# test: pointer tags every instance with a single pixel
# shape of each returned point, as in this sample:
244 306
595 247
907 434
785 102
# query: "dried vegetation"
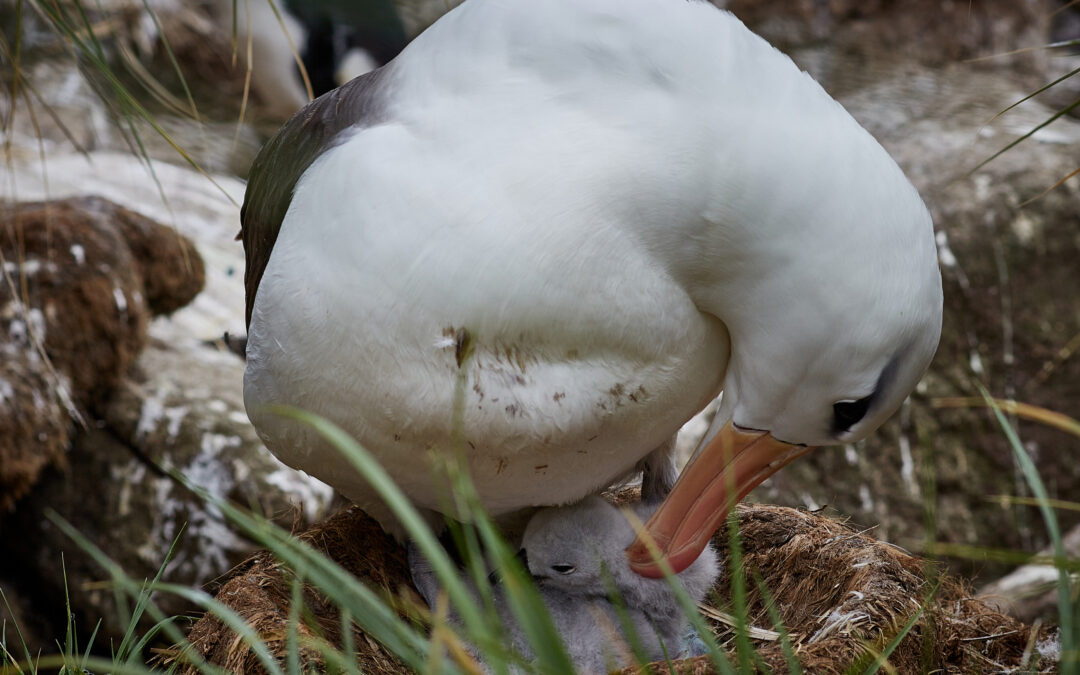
842 596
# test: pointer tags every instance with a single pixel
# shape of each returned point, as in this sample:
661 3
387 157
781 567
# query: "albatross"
601 214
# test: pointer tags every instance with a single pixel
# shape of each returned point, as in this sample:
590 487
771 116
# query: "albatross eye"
564 569
847 414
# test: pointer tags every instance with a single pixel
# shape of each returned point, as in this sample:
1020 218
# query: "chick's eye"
847 414
564 569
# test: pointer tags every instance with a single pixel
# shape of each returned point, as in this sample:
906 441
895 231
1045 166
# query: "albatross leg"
658 472
423 576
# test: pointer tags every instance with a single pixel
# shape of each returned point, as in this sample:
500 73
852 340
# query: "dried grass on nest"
260 591
842 596
837 591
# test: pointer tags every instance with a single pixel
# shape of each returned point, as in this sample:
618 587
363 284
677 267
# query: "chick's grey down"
576 555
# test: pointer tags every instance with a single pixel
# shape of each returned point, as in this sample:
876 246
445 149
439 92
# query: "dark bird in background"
336 40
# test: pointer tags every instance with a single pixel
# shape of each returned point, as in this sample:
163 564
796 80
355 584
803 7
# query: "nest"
841 595
260 590
81 279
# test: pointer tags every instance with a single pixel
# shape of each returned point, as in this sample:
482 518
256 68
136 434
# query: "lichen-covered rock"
74 306
34 425
183 410
1030 591
178 406
125 504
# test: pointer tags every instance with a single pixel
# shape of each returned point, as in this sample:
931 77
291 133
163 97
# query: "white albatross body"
617 208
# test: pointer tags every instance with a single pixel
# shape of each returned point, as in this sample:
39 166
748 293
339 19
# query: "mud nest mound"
80 280
260 590
842 596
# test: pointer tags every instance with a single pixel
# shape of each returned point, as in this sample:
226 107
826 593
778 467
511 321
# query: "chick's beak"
732 464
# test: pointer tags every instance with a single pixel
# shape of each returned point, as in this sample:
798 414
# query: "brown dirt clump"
80 280
841 595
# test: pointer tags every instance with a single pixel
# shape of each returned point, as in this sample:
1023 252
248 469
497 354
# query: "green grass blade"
127 649
626 624
227 615
373 614
1036 93
738 592
402 508
1066 610
90 642
1060 113
70 633
1003 555
154 630
18 632
521 594
348 644
716 655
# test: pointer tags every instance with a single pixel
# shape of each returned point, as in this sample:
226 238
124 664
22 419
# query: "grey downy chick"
577 554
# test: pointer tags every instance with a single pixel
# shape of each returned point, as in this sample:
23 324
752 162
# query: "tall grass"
424 639
376 616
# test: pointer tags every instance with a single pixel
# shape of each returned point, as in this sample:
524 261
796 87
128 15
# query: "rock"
178 405
22 625
35 433
1030 591
137 519
928 32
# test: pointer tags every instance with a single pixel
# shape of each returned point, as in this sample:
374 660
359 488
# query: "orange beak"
733 463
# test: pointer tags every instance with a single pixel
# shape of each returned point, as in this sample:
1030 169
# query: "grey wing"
281 162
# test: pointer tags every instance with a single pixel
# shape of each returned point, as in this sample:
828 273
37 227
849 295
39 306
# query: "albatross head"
834 313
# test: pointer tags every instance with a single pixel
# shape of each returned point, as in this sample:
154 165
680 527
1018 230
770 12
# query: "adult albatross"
606 212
